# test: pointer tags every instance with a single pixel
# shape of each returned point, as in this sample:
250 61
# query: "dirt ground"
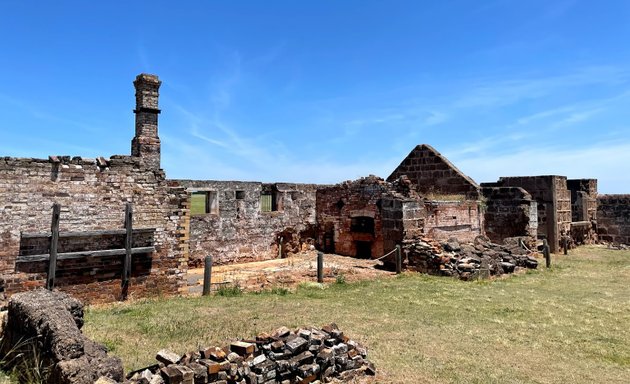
287 272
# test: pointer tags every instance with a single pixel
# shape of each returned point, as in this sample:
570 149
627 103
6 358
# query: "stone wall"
237 230
554 204
92 197
510 212
613 218
433 174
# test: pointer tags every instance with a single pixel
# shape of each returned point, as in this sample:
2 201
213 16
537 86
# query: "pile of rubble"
480 259
307 355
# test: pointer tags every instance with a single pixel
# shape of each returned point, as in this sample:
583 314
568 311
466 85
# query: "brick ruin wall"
462 220
92 197
510 212
554 204
583 199
583 210
238 231
396 217
433 174
360 200
613 218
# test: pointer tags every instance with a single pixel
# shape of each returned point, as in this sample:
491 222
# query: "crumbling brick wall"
434 174
397 213
92 194
92 198
554 204
583 210
583 199
351 216
462 220
509 212
239 231
613 218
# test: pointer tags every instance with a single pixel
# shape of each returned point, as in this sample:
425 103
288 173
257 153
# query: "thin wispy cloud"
501 92
603 160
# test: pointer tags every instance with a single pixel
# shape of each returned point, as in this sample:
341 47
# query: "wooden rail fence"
53 255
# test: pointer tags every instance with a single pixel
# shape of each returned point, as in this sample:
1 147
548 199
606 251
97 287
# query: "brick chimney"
146 143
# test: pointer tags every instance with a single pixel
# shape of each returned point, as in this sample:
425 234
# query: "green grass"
198 203
567 324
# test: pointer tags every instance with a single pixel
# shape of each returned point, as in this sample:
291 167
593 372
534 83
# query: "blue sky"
325 91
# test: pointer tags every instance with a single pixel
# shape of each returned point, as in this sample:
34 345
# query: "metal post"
54 241
398 260
546 253
126 272
320 267
207 275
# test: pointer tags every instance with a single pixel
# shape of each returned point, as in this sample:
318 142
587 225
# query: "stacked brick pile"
482 258
308 355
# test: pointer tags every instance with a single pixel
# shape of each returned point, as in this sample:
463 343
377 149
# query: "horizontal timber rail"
53 239
80 254
105 232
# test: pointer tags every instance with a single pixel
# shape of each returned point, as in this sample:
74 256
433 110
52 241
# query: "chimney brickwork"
146 143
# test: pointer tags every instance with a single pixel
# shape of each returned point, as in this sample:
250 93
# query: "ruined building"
92 194
176 223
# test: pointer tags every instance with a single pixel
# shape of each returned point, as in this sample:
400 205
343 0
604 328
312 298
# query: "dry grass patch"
567 324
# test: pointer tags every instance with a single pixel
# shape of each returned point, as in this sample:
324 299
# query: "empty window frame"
267 202
204 202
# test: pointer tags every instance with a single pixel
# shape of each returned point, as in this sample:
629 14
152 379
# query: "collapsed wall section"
237 221
613 218
92 195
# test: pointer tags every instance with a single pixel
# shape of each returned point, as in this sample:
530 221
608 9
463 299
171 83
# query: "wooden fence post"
546 253
207 275
398 259
320 267
280 248
126 272
565 244
54 241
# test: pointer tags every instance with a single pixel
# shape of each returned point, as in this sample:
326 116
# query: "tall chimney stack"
146 143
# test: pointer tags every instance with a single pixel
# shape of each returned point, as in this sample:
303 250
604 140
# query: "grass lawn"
569 324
